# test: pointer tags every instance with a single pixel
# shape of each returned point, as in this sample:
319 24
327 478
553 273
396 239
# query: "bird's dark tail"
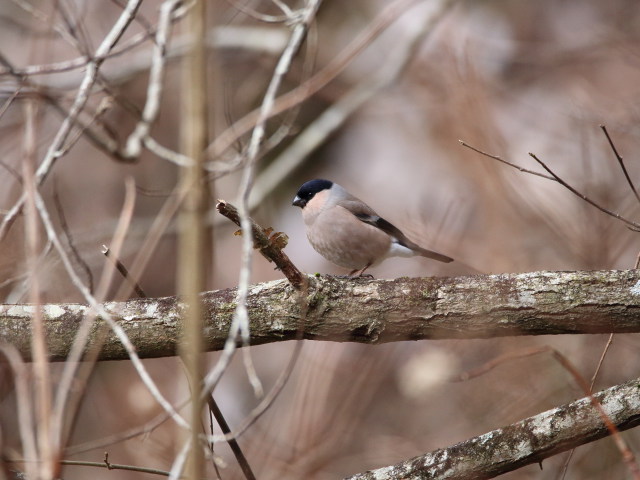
430 254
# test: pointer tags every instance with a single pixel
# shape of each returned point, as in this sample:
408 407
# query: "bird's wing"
399 237
387 227
366 214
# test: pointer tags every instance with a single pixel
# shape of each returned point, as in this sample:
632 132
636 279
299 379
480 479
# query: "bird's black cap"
309 189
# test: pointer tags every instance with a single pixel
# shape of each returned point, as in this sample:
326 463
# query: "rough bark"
522 443
363 310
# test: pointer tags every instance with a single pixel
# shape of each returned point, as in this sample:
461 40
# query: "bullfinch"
347 232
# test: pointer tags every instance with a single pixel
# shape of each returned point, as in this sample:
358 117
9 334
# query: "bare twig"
633 225
24 404
495 362
115 466
270 245
166 153
13 172
565 466
7 103
180 461
506 162
269 40
154 87
602 356
233 442
79 103
85 130
70 241
41 370
124 272
247 10
155 232
620 162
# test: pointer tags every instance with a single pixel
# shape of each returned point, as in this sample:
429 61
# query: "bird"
348 232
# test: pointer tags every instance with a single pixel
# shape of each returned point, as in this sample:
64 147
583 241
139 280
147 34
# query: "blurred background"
508 77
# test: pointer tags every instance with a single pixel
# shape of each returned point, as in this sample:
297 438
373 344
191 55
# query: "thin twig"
602 356
620 162
124 272
166 153
262 17
565 467
12 171
85 130
493 363
107 142
26 426
506 162
41 367
70 241
233 442
7 103
211 446
134 143
82 96
154 235
180 461
115 466
635 226
76 63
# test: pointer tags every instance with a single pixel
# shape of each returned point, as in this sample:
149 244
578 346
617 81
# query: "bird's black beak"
298 202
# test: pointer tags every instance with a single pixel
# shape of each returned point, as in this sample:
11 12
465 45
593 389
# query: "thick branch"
523 443
362 310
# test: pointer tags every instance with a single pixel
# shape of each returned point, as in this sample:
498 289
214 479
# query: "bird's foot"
368 276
